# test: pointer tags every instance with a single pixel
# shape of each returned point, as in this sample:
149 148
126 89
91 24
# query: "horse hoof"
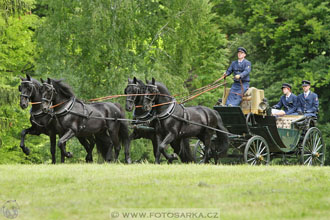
69 155
173 157
129 161
26 150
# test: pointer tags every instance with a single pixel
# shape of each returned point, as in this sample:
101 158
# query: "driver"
241 69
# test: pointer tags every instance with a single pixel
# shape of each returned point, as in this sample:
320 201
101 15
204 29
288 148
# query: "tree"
17 51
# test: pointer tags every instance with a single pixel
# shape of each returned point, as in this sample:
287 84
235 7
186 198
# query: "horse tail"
222 138
124 133
101 150
123 130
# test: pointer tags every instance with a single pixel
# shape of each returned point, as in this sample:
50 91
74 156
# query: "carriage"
257 137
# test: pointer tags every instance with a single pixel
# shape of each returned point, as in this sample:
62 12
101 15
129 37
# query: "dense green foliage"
95 45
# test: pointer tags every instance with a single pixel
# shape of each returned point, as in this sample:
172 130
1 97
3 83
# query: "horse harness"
38 114
186 117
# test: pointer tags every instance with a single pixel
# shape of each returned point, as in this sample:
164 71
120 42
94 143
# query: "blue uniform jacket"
243 69
309 105
290 105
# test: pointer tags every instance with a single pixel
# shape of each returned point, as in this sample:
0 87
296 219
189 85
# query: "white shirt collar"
288 95
306 93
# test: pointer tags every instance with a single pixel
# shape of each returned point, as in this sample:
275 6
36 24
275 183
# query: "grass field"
90 191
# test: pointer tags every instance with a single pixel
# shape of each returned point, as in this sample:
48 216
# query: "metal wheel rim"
256 151
312 152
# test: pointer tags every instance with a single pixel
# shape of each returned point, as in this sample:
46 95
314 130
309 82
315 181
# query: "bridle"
137 90
49 87
31 92
154 91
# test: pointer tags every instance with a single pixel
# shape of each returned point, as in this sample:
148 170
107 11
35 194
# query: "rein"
58 104
204 89
125 95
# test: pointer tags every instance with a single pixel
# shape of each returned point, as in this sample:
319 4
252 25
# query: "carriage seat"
248 94
287 121
250 101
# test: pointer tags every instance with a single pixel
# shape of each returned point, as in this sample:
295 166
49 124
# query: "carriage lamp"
264 107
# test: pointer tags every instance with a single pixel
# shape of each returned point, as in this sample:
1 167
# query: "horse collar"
144 117
66 109
37 113
169 111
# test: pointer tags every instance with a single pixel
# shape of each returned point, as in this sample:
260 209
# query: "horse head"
48 91
29 89
151 91
133 87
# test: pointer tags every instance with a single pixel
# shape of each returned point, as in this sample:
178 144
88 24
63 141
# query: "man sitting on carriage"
308 103
288 101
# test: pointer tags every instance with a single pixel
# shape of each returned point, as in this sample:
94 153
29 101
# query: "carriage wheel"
199 152
312 151
256 151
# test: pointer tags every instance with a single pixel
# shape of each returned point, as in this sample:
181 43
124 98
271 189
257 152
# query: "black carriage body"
279 140
259 138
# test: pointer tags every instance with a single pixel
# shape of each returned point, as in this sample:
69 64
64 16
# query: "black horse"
43 123
176 121
105 121
147 120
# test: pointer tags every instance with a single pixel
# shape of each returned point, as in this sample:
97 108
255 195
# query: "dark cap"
242 49
306 83
286 85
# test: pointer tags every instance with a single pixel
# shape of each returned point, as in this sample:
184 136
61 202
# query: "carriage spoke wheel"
199 152
312 151
256 151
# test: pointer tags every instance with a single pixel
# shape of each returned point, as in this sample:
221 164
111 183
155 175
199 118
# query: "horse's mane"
36 83
162 88
62 88
141 83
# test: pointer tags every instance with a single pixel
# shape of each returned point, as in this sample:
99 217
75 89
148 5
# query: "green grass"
90 191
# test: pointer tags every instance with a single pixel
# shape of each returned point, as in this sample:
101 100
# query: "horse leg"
163 147
155 149
31 130
214 152
62 142
52 138
62 154
87 146
91 141
207 142
177 147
